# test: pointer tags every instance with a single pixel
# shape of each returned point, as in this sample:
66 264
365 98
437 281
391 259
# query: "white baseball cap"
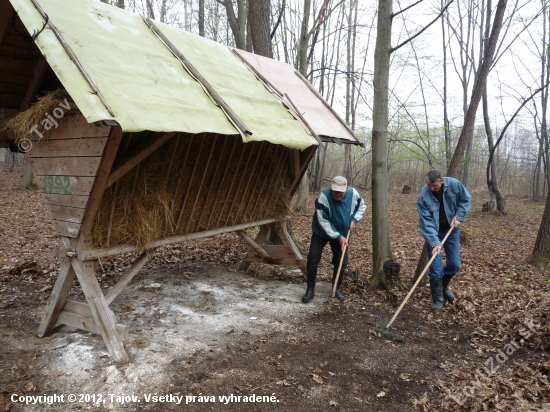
339 184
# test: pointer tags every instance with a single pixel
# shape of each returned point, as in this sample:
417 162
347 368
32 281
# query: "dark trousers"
314 257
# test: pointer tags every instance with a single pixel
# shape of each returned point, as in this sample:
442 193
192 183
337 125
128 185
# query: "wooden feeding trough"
120 175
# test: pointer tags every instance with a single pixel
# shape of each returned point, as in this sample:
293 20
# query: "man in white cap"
338 209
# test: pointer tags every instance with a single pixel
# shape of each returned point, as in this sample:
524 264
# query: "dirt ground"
207 337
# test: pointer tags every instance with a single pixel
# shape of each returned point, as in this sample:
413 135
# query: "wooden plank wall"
64 163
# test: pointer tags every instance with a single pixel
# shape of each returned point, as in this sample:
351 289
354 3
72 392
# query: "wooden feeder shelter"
144 136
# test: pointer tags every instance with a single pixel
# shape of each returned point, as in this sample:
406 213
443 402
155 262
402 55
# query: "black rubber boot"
338 294
310 292
437 295
447 294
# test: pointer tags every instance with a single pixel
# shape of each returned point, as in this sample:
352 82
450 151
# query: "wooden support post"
132 271
282 231
60 291
254 245
101 313
102 176
260 238
305 157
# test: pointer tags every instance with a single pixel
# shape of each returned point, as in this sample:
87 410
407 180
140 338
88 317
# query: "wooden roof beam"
129 161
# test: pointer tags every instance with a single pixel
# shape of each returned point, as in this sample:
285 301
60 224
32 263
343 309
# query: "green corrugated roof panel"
144 84
252 102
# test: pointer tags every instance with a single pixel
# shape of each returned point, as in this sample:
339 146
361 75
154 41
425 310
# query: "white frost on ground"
172 316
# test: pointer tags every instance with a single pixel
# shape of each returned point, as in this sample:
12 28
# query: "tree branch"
406 8
423 30
279 19
508 123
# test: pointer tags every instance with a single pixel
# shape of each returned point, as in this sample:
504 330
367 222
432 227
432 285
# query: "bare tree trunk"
493 186
541 251
201 18
479 87
381 246
304 39
259 13
448 146
237 23
163 11
150 10
303 189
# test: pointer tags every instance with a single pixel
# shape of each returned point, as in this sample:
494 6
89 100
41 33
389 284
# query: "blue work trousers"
452 252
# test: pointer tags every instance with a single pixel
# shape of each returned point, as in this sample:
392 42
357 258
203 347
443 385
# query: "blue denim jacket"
457 203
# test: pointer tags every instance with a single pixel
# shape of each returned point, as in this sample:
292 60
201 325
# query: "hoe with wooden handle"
386 331
340 266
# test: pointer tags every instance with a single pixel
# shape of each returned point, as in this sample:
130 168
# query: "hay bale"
18 127
164 197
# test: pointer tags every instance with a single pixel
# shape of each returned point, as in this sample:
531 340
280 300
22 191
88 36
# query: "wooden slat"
89 324
87 147
86 255
80 308
256 248
77 185
65 166
260 238
65 200
76 127
64 213
282 231
59 293
255 258
66 228
280 251
132 159
132 271
103 316
32 89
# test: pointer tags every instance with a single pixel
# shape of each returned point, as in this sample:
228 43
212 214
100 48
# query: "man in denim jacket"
337 209
443 202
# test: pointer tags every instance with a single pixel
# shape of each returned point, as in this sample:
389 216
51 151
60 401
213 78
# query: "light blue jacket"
457 203
332 217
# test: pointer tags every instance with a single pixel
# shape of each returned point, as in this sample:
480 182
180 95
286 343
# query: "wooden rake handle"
419 279
340 265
